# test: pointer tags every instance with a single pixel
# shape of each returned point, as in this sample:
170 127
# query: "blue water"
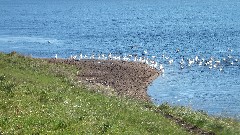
167 29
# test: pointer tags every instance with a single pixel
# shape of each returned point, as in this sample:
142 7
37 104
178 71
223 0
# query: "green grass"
38 97
41 98
218 125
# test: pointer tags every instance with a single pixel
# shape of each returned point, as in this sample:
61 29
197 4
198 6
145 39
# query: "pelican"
55 56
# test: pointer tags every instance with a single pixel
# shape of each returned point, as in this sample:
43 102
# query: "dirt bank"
126 78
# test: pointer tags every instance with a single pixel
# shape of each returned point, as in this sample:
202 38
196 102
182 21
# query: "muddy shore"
129 79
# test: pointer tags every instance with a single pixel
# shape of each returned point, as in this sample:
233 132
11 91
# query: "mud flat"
129 79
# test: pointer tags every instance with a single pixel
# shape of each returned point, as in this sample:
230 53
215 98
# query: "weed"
43 97
104 128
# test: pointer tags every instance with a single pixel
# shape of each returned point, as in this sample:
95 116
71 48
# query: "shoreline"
48 91
129 79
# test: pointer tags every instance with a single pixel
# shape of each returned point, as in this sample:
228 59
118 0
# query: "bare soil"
129 79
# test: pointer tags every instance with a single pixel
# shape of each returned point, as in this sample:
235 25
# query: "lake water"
177 30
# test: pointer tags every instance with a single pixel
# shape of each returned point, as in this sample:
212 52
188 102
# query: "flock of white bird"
154 63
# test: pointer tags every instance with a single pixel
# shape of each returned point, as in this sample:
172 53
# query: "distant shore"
129 79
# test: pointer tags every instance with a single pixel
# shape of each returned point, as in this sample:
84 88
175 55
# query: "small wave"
29 39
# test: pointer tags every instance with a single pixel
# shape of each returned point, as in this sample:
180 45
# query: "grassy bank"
38 97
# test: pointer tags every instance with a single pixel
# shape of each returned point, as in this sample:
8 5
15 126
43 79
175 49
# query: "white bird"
145 51
182 63
196 58
99 56
56 56
110 56
80 56
190 62
92 56
140 59
229 56
217 62
155 65
135 59
118 58
166 57
125 58
74 57
147 61
170 61
220 69
161 68
152 64
103 57
215 65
